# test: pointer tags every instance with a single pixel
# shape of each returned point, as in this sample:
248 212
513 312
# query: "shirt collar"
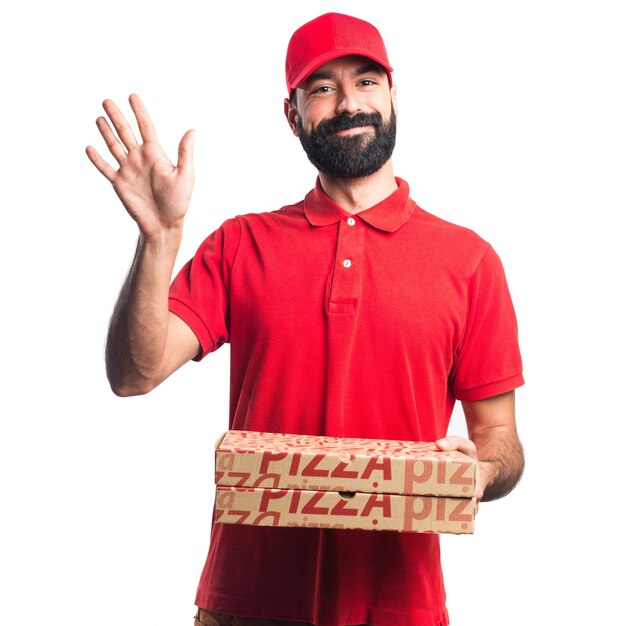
388 215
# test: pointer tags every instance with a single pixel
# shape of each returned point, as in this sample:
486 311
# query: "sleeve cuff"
194 321
491 389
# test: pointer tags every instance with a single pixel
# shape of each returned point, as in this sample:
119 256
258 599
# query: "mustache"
345 122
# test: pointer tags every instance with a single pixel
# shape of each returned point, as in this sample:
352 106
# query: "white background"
512 122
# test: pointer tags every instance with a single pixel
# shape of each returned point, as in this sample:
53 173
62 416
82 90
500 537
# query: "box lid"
288 461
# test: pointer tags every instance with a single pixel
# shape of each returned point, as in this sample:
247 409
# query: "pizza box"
285 461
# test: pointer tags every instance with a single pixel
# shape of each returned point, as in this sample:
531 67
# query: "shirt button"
347 263
351 221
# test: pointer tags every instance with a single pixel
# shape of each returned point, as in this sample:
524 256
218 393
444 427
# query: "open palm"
154 191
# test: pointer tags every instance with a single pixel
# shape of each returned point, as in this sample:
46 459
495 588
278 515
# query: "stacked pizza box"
272 479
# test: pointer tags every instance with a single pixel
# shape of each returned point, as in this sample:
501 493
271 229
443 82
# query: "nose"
348 102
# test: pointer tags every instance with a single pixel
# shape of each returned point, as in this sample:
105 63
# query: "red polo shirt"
358 326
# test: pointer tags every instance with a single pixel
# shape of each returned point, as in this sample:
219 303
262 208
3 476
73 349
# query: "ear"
394 99
291 113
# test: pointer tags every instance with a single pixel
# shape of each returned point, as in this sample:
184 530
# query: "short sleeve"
488 361
199 294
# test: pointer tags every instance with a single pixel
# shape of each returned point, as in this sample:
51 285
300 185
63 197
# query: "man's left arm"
493 442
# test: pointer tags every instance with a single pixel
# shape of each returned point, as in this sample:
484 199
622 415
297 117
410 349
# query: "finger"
452 442
101 165
144 123
123 129
185 151
111 140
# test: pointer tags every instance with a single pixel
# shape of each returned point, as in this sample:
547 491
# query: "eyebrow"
364 69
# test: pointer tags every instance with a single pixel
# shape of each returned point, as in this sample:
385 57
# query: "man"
352 313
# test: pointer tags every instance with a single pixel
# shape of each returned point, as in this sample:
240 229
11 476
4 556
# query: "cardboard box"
278 461
333 509
271 479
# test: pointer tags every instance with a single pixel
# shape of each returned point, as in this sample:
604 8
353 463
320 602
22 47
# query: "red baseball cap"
328 37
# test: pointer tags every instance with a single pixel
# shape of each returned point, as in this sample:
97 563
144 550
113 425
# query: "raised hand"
154 191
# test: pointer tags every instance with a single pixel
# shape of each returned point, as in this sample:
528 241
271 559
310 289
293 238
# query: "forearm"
501 459
138 330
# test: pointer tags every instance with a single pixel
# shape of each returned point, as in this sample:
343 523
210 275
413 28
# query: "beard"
352 156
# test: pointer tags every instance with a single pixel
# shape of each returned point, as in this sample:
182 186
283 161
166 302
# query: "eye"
321 89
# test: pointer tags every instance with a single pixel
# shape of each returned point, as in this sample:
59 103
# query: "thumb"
453 442
185 151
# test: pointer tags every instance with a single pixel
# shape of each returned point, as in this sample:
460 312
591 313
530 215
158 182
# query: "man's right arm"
146 342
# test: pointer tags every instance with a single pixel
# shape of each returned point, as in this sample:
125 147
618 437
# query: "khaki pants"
209 618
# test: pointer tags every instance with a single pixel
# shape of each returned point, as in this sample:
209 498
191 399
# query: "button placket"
345 277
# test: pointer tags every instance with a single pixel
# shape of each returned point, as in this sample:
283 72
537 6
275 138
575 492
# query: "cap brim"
312 65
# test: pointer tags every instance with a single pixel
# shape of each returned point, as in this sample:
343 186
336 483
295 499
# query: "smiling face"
344 116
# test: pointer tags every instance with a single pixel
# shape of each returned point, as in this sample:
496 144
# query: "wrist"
163 241
488 473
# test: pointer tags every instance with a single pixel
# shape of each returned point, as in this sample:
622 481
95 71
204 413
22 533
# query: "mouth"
352 131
